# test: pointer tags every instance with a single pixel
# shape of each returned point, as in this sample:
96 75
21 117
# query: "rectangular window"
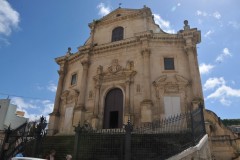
74 79
169 63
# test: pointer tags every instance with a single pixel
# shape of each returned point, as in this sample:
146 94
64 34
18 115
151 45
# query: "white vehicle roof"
26 158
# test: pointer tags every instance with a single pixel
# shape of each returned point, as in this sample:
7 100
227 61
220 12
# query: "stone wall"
199 152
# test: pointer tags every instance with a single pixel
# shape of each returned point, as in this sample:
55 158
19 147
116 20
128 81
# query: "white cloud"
52 87
234 24
205 68
225 102
225 91
48 107
175 7
208 33
33 108
217 15
9 18
103 10
214 82
21 104
225 53
164 24
201 13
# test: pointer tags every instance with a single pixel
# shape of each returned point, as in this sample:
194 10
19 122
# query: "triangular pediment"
120 13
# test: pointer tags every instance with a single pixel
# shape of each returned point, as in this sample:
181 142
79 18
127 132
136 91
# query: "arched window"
117 34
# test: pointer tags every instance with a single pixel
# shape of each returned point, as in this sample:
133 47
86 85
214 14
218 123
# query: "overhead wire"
26 97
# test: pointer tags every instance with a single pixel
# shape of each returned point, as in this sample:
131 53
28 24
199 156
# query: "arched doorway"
113 109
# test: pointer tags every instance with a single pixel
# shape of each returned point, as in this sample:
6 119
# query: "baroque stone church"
128 69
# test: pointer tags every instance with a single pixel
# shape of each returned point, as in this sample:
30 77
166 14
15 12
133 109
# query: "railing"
13 141
160 139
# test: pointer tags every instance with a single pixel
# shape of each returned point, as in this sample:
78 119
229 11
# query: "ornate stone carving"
170 84
115 67
70 96
115 73
100 70
171 88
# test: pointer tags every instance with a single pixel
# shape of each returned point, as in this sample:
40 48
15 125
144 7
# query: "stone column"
54 116
80 109
127 113
146 104
146 73
95 118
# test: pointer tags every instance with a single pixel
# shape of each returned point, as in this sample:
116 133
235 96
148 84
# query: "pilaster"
192 37
79 110
146 104
55 115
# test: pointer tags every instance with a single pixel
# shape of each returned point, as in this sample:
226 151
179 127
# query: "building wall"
8 115
134 64
4 103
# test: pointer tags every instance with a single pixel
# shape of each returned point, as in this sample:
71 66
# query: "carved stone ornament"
170 84
115 67
115 73
70 96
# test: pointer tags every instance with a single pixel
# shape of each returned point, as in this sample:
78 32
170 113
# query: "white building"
9 115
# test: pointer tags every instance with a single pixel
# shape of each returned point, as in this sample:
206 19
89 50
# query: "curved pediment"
175 79
171 84
69 96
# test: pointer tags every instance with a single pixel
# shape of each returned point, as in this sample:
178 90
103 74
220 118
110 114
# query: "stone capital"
61 73
85 64
55 113
146 52
190 49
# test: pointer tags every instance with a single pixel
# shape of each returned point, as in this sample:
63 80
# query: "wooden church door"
113 109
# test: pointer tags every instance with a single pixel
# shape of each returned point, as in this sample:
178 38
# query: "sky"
34 32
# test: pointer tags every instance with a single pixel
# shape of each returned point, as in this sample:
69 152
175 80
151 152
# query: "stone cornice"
70 58
174 38
114 45
193 34
60 60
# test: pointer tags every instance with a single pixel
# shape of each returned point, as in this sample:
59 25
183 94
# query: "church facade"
128 69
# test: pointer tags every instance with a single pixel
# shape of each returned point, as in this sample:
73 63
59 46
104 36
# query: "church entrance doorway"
113 109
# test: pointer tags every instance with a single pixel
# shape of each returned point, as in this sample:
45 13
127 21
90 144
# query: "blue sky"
34 32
